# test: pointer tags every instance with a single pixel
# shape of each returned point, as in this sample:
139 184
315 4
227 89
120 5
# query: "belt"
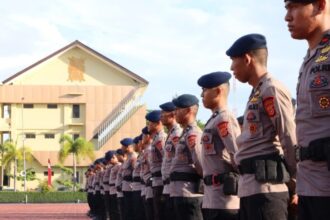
112 184
215 179
156 174
166 181
136 179
317 150
248 166
142 182
106 182
128 178
149 182
181 176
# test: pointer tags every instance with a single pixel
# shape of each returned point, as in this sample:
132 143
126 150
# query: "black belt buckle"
215 180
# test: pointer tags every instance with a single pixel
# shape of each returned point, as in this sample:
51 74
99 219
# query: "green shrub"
39 197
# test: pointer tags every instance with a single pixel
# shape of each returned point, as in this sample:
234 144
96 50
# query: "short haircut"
260 55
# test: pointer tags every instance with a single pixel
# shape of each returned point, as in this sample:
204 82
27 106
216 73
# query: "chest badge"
324 102
319 82
321 58
326 49
253 128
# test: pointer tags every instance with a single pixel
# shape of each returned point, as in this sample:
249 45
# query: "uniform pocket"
208 145
319 90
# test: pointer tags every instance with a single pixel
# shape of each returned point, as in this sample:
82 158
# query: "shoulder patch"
269 106
175 139
223 128
159 145
191 141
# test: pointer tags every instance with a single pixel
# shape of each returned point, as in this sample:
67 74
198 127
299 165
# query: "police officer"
310 20
268 131
158 136
138 208
90 177
220 199
186 168
127 169
146 175
105 179
174 132
97 182
119 180
114 211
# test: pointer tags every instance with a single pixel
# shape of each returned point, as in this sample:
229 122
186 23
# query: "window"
30 136
75 136
6 110
6 180
27 105
49 136
75 111
52 106
46 173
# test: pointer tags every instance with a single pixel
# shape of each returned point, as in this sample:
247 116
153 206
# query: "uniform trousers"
149 208
264 206
120 202
313 208
187 208
106 198
90 202
220 214
158 202
138 208
128 202
99 206
168 208
114 211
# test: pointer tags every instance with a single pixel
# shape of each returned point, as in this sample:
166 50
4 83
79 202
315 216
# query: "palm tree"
14 155
79 148
3 149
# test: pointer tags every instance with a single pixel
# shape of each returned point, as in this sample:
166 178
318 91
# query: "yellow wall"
55 72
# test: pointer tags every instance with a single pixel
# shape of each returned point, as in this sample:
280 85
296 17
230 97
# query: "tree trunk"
15 173
74 172
2 170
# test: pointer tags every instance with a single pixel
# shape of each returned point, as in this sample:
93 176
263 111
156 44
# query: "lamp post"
23 140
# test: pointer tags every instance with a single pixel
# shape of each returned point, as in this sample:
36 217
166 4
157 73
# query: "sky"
170 43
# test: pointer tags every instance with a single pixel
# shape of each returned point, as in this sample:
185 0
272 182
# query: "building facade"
75 91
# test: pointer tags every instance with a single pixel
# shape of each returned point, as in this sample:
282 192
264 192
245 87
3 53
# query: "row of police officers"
175 170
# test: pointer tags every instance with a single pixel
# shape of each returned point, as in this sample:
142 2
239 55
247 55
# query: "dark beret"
185 101
126 142
145 130
109 155
214 79
167 107
240 120
154 116
301 1
136 139
247 43
98 161
120 152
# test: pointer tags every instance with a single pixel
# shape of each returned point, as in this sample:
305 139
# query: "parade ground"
43 211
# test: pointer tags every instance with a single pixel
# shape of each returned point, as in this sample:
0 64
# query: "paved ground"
43 211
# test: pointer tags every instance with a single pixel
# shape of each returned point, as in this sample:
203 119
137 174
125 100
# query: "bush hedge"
38 197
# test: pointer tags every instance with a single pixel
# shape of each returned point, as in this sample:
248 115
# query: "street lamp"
23 140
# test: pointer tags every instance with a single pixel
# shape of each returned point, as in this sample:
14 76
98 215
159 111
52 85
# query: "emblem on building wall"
76 69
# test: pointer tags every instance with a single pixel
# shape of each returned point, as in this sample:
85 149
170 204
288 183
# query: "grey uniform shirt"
187 159
313 117
97 182
169 152
127 170
119 180
156 157
218 149
90 183
146 174
105 179
137 186
268 127
113 177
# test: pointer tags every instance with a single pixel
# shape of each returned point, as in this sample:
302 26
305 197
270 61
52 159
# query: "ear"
247 59
320 5
218 90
